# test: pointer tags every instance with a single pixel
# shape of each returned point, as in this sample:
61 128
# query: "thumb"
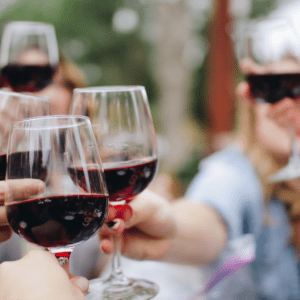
81 283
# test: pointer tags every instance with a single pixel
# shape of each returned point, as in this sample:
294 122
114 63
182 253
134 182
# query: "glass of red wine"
15 107
269 55
124 130
60 151
29 56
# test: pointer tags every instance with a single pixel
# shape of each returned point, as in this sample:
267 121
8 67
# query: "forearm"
201 234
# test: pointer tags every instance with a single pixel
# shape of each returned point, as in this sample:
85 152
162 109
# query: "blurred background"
180 50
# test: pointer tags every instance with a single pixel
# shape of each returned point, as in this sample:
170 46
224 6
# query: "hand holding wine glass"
21 279
123 127
62 152
28 56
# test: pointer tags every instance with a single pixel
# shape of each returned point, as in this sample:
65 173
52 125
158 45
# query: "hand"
16 189
148 232
38 275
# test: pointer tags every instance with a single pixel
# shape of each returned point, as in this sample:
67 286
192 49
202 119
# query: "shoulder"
229 169
227 181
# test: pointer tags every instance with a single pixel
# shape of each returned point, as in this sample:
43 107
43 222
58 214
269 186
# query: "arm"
201 234
37 276
181 232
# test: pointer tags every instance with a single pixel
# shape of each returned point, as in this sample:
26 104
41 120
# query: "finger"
22 189
107 246
111 214
143 207
111 228
81 283
141 247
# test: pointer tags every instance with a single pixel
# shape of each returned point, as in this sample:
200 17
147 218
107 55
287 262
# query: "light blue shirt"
228 182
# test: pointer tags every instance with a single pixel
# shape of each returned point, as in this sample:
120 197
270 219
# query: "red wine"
124 180
58 220
272 88
28 165
79 179
2 166
23 78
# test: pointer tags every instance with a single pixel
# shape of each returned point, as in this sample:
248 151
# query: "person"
228 199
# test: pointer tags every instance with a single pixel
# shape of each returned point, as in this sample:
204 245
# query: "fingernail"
113 224
83 284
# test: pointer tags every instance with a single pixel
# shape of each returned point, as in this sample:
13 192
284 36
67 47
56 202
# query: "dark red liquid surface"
272 88
58 220
2 166
28 165
123 180
23 78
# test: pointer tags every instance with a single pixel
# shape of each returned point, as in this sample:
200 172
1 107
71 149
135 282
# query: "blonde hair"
73 77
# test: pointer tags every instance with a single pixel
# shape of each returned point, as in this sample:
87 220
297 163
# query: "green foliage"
261 8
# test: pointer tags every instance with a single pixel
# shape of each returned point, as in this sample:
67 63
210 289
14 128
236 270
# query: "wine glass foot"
289 172
135 289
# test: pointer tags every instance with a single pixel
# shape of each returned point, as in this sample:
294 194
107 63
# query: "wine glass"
124 130
15 107
29 56
62 152
269 56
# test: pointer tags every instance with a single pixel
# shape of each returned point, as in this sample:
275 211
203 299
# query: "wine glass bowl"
29 56
61 152
15 107
123 127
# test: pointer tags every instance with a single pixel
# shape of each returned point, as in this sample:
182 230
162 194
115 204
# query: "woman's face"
60 96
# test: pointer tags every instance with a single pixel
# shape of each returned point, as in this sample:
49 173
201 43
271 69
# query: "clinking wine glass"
29 56
59 151
16 107
124 130
269 55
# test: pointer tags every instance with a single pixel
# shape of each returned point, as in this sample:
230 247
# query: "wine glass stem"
65 263
63 257
117 272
